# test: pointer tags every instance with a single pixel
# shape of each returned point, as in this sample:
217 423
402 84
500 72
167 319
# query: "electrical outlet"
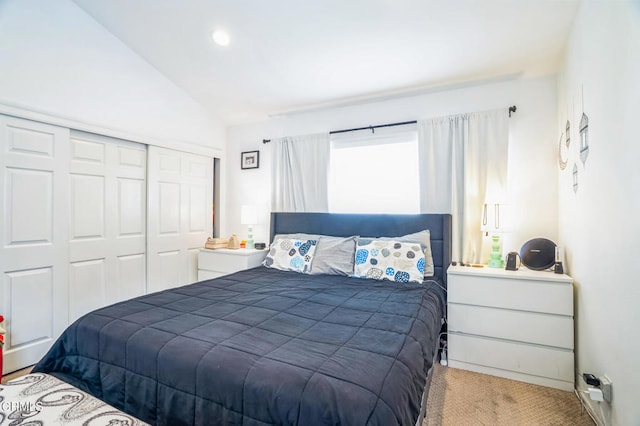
595 394
605 385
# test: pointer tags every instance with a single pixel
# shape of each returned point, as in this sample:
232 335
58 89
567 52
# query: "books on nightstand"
216 243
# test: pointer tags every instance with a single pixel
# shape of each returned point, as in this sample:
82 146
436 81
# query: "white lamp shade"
248 215
495 218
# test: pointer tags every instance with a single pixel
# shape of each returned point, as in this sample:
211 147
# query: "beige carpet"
459 397
16 374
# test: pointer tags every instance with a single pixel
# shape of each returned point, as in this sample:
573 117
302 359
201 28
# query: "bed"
265 346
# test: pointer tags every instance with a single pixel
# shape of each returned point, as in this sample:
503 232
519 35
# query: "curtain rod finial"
266 140
512 109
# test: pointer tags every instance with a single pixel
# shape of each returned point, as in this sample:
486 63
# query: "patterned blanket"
40 399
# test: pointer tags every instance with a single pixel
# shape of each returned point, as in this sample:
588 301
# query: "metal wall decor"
584 134
567 141
562 163
584 138
575 178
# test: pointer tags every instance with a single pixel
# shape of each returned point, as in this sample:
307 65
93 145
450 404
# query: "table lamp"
493 222
249 217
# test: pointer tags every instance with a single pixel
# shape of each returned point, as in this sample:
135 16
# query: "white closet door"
107 224
34 206
180 215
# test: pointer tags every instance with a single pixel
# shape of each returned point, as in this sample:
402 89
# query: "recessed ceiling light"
220 37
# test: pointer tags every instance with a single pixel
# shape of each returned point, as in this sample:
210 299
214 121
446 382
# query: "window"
375 173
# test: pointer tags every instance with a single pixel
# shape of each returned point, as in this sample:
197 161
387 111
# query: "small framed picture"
250 160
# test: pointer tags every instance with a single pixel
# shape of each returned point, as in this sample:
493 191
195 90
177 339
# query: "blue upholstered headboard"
372 225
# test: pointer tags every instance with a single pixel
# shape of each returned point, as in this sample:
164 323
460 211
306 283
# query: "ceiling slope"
291 55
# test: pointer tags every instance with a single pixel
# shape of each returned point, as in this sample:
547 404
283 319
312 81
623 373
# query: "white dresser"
513 324
219 262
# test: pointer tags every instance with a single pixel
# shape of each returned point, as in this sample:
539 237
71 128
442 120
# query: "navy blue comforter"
259 347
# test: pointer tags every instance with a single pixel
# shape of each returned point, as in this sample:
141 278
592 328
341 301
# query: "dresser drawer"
522 326
518 357
512 293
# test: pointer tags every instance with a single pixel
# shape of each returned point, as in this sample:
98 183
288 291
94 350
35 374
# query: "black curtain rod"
372 128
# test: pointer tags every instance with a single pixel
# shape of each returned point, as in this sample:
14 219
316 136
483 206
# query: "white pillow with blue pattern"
389 260
290 254
333 256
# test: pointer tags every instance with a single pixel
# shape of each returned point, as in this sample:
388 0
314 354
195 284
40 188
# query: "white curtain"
463 163
300 174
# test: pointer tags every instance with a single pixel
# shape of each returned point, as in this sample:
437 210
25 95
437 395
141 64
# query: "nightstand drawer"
522 358
222 262
522 326
219 262
228 261
204 274
512 293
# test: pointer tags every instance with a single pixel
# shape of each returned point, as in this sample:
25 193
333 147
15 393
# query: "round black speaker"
538 254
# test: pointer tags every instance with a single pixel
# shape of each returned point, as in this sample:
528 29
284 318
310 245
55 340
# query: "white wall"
532 149
599 224
55 59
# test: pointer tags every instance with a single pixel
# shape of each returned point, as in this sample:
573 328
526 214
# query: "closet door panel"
130 276
33 237
180 215
29 198
132 161
30 138
131 208
169 209
87 207
129 226
87 286
168 270
108 197
199 206
34 324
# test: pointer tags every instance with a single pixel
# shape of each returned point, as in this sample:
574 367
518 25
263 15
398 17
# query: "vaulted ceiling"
292 55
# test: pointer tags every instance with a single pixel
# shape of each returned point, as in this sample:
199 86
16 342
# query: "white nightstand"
513 324
219 262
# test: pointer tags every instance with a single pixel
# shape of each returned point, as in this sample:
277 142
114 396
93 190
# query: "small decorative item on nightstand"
234 243
249 217
492 223
216 243
538 254
558 268
511 261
